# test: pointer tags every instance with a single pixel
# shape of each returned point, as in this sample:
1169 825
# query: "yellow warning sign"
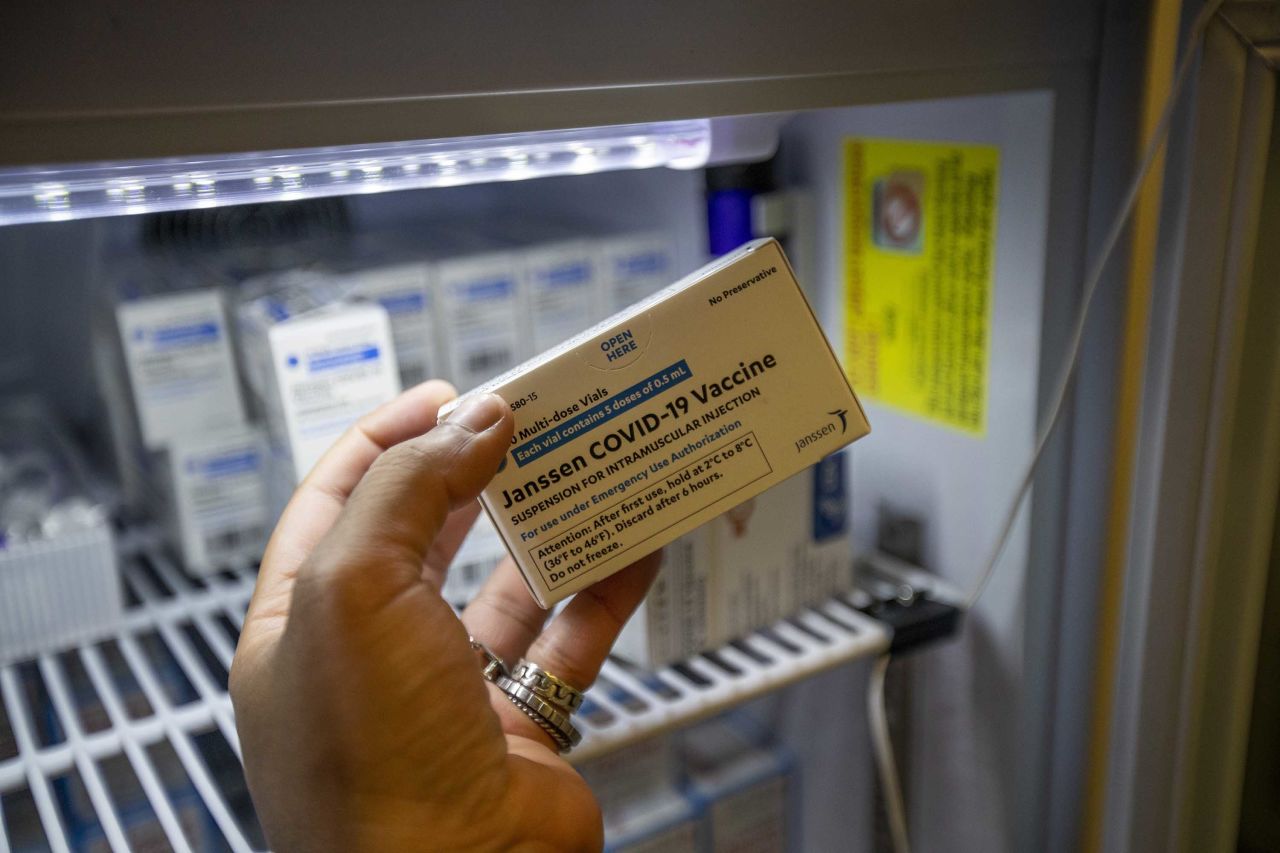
919 249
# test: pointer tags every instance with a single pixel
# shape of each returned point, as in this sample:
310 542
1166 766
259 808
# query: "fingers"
503 615
320 498
400 506
449 540
574 646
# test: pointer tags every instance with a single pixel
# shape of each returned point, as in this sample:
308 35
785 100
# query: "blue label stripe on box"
194 333
602 413
341 358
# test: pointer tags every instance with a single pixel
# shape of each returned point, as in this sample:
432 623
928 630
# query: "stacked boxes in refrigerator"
183 441
218 496
482 325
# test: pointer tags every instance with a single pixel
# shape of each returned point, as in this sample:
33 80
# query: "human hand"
364 721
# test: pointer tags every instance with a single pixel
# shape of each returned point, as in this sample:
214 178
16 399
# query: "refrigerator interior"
965 756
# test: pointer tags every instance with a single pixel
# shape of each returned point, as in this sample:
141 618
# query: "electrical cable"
886 767
1092 281
877 711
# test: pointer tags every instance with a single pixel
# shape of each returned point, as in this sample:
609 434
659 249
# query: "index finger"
320 497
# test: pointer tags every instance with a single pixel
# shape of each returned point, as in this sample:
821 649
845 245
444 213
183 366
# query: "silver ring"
552 720
556 691
492 665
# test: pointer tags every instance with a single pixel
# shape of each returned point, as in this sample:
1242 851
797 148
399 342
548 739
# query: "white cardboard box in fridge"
745 802
664 416
404 286
562 289
760 562
674 620
327 368
181 371
633 267
219 514
482 315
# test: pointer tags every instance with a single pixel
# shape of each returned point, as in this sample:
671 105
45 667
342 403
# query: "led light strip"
48 194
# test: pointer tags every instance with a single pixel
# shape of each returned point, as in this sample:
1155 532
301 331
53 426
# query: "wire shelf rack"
129 743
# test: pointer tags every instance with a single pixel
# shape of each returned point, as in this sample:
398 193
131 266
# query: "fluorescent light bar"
48 194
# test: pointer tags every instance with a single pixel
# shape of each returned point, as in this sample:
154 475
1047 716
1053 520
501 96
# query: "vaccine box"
634 774
322 370
758 563
633 267
180 366
786 549
674 620
563 291
264 301
559 278
482 313
663 417
383 272
218 509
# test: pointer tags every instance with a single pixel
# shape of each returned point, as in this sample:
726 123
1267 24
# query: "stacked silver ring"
544 684
540 696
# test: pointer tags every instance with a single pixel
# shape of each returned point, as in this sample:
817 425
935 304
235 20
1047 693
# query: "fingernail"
476 413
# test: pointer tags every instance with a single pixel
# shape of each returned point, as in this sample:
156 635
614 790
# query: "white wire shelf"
130 743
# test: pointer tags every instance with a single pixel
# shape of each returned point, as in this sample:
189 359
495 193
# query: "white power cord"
886 767
882 745
1094 278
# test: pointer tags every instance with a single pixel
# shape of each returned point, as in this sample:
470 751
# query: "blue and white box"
633 267
482 315
760 562
321 369
401 281
178 358
218 511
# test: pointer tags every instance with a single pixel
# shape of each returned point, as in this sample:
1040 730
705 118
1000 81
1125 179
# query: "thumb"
401 503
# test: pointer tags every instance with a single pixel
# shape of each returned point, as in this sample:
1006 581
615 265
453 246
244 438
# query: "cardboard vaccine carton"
178 358
663 417
561 284
482 313
401 281
675 619
634 774
217 513
786 549
760 562
633 267
319 364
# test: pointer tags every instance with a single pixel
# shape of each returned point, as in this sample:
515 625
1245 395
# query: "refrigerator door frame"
1207 473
